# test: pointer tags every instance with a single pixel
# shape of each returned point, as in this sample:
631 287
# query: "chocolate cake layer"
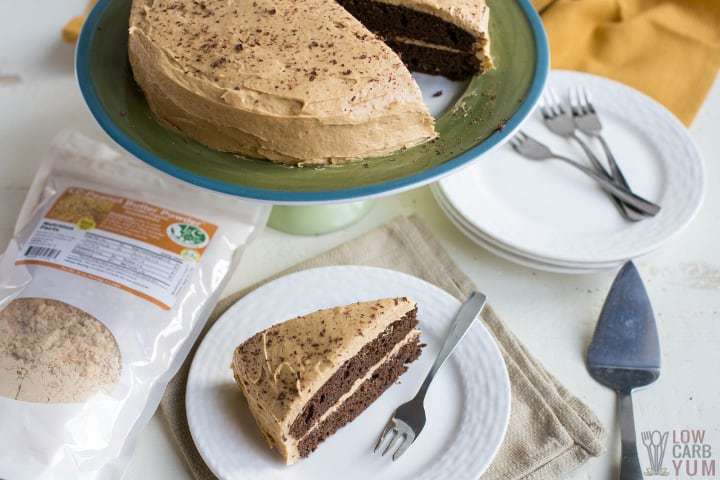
368 392
343 379
425 59
391 20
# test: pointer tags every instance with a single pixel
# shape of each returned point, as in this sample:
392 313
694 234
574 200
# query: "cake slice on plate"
307 377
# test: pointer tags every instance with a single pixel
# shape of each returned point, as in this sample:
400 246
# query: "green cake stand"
486 111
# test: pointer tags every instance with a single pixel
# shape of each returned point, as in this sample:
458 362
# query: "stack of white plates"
548 216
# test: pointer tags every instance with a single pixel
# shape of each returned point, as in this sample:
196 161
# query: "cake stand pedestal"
317 219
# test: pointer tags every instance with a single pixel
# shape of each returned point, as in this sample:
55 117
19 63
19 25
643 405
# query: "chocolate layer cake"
312 82
307 377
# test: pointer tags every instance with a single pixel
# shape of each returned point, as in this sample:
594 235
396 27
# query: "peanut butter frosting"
294 82
281 368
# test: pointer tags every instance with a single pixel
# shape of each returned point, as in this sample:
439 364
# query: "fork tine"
574 101
543 108
588 102
556 101
390 425
403 446
523 136
549 104
582 101
396 436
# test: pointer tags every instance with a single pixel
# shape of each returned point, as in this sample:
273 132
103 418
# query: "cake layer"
446 38
436 60
388 20
354 368
382 378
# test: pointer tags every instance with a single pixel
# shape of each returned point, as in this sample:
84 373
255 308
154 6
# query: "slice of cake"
307 377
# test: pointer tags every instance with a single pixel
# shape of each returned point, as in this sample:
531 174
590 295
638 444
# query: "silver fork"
530 148
408 420
588 122
560 121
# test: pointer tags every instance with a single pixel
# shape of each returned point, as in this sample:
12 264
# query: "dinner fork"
530 148
588 122
408 420
559 120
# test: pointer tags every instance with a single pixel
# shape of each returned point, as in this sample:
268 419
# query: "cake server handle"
460 325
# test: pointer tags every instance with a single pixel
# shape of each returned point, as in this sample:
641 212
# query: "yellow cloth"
71 30
669 49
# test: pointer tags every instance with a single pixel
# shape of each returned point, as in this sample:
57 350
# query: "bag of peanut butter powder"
111 274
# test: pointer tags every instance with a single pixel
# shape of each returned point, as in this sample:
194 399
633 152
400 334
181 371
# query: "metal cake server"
625 354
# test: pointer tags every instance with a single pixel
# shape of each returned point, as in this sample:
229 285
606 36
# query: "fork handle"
618 177
459 327
591 155
629 464
614 167
626 196
614 175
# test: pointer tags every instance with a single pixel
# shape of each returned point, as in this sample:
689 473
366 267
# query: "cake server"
625 355
408 420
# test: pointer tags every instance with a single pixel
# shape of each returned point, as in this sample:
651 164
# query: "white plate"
498 250
507 252
468 405
549 211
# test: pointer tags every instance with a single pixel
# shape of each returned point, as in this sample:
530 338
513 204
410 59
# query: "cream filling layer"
421 43
481 48
292 443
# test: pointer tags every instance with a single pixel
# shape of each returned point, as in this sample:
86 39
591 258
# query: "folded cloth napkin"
550 433
669 49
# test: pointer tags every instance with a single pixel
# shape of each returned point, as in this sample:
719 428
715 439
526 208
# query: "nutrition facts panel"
140 268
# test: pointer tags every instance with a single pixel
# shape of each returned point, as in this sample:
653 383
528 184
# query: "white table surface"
552 314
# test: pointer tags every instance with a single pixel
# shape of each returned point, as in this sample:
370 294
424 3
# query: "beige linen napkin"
551 432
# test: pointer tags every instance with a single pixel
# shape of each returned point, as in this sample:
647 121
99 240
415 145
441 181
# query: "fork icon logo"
656 444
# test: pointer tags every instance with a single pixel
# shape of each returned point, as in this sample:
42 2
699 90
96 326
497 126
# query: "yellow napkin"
71 30
669 49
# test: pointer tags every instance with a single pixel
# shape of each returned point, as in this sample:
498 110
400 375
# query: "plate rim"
514 257
676 124
92 101
507 398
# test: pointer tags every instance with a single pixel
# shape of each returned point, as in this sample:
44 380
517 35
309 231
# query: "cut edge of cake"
305 378
450 38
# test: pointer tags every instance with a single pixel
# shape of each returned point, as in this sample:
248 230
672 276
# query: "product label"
135 246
